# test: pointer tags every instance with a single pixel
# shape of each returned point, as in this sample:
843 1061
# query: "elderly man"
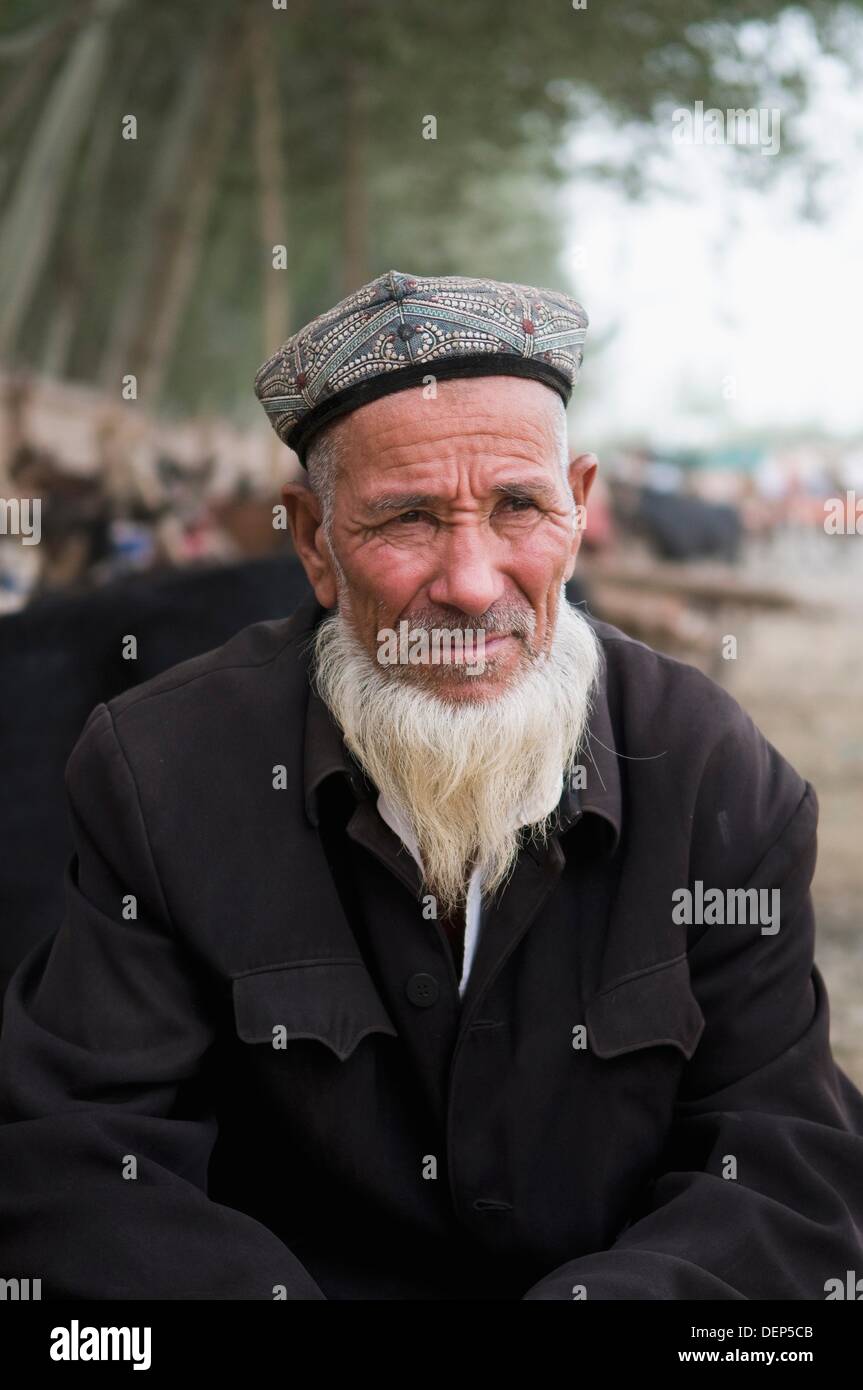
388 976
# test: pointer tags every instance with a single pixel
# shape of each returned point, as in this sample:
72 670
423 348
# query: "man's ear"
306 522
582 471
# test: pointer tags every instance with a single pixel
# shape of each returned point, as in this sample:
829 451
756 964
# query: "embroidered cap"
400 330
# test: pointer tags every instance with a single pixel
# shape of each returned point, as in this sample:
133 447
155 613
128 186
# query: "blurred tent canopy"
300 125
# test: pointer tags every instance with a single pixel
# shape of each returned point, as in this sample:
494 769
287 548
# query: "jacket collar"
325 755
602 793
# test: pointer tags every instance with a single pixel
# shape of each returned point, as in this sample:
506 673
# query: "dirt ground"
800 676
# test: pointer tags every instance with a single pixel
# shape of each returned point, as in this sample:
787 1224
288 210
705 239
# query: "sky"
727 311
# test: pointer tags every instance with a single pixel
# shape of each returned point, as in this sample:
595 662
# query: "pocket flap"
653 1008
334 1002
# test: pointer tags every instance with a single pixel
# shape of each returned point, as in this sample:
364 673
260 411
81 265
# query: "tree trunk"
76 263
154 344
269 155
160 214
356 211
29 225
36 50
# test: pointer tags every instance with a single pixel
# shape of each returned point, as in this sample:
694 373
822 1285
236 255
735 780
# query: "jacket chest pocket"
331 1002
655 1008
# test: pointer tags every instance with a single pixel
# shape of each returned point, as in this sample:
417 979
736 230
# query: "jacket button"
422 990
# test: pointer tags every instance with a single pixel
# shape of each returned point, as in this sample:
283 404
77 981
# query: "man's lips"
481 648
478 645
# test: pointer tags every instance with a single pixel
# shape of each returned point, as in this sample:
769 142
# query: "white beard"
466 775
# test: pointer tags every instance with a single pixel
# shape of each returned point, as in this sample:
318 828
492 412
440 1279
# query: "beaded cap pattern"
400 330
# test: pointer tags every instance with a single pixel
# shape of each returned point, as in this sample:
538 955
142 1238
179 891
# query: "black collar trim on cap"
401 378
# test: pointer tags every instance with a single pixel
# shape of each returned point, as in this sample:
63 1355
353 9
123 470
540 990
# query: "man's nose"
467 576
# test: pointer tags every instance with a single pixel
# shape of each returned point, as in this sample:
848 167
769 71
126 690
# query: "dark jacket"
241 1069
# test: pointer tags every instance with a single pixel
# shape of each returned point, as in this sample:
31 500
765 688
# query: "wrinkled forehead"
494 420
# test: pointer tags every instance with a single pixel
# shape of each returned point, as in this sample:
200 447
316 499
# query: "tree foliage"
303 126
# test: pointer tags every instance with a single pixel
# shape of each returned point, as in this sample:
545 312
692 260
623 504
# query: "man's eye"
520 504
409 517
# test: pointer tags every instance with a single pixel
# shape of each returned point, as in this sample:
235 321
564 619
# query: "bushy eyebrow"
399 501
533 491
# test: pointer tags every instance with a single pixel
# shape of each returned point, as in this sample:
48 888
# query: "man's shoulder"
253 686
250 650
249 660
678 725
649 689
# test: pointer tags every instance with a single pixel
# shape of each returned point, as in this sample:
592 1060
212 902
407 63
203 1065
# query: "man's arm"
760 1191
105 1029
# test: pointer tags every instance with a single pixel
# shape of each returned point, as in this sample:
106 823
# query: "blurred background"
183 184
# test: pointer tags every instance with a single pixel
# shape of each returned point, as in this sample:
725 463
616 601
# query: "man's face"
454 513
